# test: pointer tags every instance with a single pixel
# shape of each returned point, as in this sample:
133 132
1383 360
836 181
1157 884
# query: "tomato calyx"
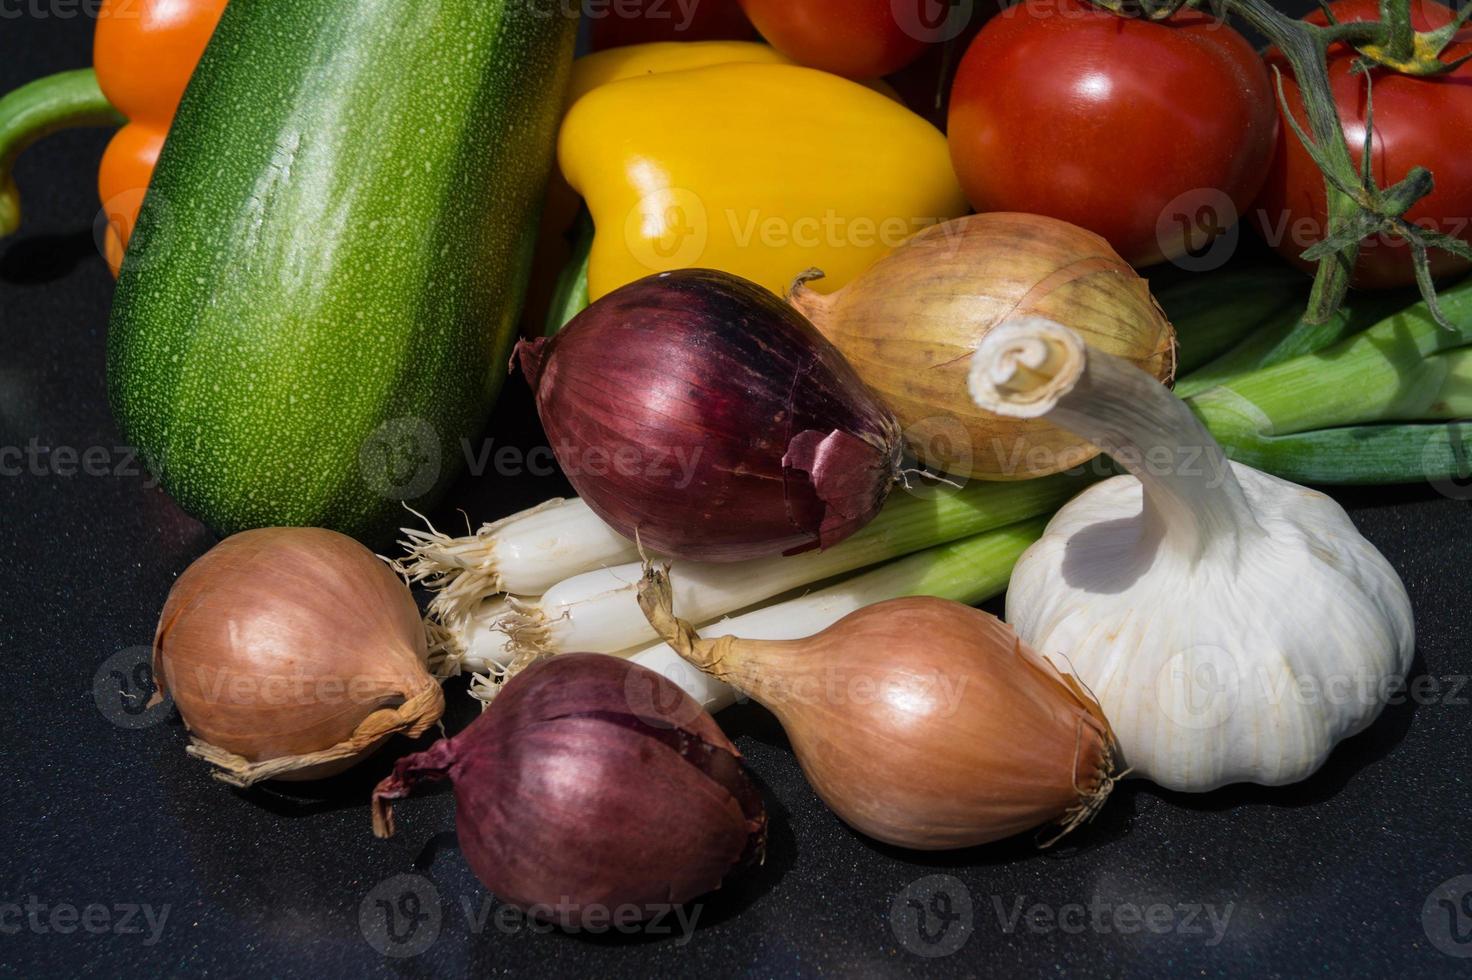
1393 41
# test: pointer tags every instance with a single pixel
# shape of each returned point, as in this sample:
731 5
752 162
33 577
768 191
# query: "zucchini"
319 297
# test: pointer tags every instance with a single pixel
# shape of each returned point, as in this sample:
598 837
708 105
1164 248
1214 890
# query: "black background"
1326 877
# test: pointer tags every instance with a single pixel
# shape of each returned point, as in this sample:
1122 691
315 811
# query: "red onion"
698 410
591 784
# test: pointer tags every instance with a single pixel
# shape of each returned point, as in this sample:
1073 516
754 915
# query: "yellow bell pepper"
657 57
590 72
761 170
615 64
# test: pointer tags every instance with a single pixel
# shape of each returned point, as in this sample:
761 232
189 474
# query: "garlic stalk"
1233 626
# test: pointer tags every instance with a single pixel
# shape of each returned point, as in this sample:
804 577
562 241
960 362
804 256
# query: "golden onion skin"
292 653
910 324
920 722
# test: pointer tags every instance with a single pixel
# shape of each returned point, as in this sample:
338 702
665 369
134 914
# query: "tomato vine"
1358 207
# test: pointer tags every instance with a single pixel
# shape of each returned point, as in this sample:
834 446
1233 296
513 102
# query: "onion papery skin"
592 783
292 653
697 411
921 722
910 323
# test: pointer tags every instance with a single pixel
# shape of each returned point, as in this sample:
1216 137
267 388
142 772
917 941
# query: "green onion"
525 553
1213 313
1308 419
1277 339
598 611
971 570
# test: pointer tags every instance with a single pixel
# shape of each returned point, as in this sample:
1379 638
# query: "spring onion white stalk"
971 570
598 611
525 554
455 650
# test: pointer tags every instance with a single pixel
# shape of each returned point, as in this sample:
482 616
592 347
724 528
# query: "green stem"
1306 50
971 570
62 101
570 294
1280 338
1360 455
1400 41
1304 419
1213 313
1331 281
1381 374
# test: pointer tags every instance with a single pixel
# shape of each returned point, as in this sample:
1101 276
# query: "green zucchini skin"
320 294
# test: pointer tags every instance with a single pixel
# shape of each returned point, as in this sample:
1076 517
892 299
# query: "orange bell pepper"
143 54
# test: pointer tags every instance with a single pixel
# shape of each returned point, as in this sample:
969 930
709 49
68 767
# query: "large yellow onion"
910 323
292 653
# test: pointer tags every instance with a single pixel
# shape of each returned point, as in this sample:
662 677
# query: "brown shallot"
292 653
921 722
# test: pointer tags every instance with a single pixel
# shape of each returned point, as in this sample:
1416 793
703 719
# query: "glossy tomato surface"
1417 122
854 38
616 23
1141 132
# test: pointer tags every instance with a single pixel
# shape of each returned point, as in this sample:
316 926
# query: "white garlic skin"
1248 665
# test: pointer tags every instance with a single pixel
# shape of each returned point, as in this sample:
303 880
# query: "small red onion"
698 410
591 784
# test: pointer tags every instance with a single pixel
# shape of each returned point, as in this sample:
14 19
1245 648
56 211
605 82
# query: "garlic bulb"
1233 626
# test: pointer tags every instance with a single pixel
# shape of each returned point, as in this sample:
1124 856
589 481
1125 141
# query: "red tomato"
1138 131
854 38
615 23
1418 122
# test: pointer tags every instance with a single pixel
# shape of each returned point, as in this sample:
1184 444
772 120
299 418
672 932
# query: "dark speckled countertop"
122 857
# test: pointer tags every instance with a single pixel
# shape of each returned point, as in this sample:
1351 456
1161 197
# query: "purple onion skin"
592 783
698 410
